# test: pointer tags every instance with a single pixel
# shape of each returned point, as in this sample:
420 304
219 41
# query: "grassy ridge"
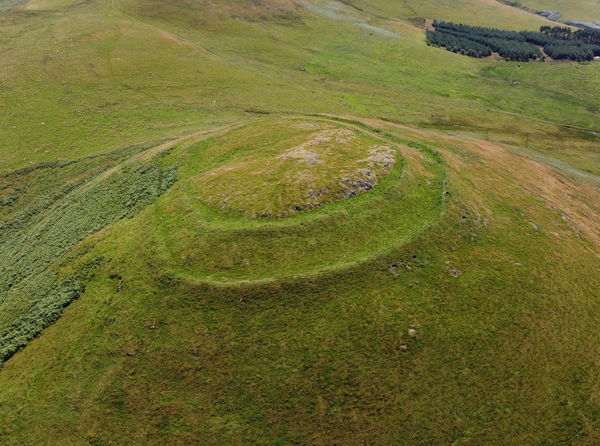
208 243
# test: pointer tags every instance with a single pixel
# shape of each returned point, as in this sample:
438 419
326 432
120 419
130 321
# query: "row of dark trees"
509 44
458 44
558 32
475 41
572 51
589 36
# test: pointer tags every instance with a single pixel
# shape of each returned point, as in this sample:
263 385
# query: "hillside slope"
583 10
476 328
292 222
109 80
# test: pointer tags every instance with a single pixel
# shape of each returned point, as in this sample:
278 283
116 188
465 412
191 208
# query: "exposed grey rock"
550 15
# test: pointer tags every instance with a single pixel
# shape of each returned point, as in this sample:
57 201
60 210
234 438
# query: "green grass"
477 12
39 231
327 358
128 91
584 10
455 302
209 243
279 169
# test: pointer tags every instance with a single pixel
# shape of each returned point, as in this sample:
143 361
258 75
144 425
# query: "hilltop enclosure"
294 222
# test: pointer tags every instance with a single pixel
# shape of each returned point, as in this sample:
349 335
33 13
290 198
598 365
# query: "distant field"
584 10
473 12
127 91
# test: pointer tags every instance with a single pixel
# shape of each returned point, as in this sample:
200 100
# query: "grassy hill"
584 10
293 222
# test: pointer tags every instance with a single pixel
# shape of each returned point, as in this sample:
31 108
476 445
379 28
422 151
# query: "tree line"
589 36
476 41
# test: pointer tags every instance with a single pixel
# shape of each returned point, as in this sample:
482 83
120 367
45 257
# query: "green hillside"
585 10
293 222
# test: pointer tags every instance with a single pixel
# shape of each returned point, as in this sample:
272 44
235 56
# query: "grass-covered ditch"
272 215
